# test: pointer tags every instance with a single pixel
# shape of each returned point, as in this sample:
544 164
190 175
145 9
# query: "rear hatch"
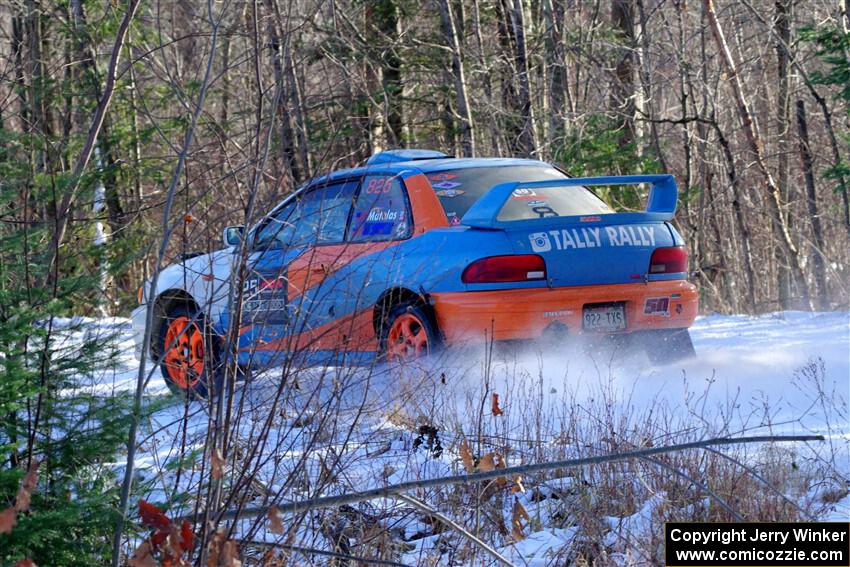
586 252
598 247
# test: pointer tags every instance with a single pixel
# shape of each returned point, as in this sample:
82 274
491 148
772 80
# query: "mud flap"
665 346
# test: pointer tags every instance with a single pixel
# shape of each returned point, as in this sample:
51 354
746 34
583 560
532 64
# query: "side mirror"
232 235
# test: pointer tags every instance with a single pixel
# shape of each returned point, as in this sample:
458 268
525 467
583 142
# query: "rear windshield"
458 189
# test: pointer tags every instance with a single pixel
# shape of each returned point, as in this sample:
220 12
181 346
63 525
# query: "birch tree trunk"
467 132
528 135
487 80
623 87
818 261
774 200
292 168
557 87
783 33
385 14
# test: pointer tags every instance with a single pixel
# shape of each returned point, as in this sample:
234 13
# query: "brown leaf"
495 405
214 548
26 563
152 516
8 519
217 464
179 540
31 479
22 500
518 486
230 555
276 525
466 455
28 484
187 536
143 557
518 514
487 463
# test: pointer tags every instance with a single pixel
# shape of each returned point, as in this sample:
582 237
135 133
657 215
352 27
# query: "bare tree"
774 198
467 132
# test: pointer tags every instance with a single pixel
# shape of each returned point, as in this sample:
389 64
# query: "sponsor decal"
631 235
265 300
591 237
381 228
277 283
455 220
523 194
447 185
657 306
441 177
557 313
537 204
384 215
540 242
450 192
589 219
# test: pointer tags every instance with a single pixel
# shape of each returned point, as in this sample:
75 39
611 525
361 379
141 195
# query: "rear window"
458 189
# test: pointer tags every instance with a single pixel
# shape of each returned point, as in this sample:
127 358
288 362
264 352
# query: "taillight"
497 269
670 260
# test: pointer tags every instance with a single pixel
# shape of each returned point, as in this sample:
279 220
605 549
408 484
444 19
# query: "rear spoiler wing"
660 206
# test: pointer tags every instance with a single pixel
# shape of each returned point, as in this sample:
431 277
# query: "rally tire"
408 332
189 353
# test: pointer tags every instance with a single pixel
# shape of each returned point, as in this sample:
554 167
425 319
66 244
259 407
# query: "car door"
342 280
274 305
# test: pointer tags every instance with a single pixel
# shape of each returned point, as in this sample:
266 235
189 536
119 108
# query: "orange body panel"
318 262
526 313
350 333
427 211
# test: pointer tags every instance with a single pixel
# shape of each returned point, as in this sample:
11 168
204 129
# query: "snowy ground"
778 373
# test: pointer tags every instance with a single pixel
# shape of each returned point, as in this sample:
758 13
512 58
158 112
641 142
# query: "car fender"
205 278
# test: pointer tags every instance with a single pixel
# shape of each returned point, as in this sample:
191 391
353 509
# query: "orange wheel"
410 334
183 352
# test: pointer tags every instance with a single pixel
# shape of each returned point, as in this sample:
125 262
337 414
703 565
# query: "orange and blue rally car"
417 250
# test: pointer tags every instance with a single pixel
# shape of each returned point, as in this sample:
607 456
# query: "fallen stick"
394 489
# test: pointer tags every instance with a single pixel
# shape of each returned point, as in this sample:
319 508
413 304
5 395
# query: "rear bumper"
528 313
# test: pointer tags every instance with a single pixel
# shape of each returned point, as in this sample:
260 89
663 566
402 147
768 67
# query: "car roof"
427 166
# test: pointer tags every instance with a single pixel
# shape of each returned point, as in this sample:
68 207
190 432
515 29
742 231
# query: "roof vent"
394 156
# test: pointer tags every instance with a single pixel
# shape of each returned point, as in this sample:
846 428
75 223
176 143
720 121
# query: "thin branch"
314 551
455 526
704 487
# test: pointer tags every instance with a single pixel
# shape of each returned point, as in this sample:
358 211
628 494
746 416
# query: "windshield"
458 189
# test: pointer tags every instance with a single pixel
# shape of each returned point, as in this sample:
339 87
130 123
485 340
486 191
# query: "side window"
324 214
278 230
317 216
380 212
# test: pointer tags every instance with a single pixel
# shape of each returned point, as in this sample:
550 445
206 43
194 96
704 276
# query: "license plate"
610 317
